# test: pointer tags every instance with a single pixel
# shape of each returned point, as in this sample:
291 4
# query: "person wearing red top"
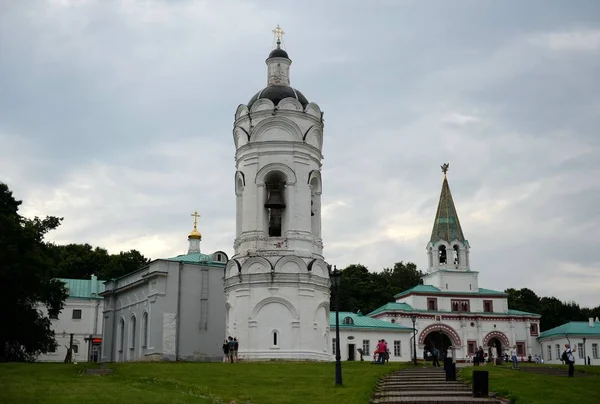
381 351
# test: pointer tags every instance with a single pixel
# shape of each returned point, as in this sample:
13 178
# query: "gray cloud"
118 117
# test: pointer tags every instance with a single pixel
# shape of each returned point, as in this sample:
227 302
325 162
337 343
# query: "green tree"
124 263
80 261
365 291
25 282
523 299
402 277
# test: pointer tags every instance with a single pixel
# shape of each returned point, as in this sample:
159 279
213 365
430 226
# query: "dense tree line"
365 291
80 261
554 312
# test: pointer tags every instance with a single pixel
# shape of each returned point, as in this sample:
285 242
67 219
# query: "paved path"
424 385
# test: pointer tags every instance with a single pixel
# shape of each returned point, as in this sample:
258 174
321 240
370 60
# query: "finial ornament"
278 33
445 167
195 234
196 216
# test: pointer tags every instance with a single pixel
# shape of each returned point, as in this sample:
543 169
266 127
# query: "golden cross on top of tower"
278 33
196 216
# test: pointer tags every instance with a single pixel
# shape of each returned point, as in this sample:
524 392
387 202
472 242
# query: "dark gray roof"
278 53
278 93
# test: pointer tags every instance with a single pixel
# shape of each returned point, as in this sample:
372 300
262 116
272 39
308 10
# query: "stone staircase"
424 385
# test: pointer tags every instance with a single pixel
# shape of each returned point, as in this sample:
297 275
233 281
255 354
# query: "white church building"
80 317
450 308
277 283
171 309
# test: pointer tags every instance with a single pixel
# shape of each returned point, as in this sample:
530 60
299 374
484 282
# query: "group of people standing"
479 358
382 353
230 349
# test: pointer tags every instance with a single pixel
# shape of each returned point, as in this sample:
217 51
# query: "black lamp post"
335 276
414 320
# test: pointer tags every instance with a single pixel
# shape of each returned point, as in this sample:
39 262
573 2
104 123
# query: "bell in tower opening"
275 205
442 252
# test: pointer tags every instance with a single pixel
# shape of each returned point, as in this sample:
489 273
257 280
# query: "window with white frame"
558 352
397 350
580 350
366 346
333 345
549 348
595 351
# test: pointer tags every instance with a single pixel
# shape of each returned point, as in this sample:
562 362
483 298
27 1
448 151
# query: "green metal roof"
446 225
360 321
407 308
390 307
196 258
573 328
433 290
522 313
84 288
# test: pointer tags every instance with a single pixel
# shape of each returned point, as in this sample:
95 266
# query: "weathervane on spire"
278 33
445 167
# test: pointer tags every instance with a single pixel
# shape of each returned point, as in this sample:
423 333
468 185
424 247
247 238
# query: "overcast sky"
118 116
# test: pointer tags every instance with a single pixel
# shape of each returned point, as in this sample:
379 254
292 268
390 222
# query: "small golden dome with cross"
195 233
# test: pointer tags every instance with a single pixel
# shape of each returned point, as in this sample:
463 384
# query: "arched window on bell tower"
275 203
315 207
442 255
456 254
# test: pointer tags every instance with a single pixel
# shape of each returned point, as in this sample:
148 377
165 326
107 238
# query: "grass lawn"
526 387
199 383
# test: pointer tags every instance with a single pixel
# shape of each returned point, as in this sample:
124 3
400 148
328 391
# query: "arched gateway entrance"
440 336
497 341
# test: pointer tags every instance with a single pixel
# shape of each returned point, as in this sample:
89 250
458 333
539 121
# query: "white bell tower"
277 283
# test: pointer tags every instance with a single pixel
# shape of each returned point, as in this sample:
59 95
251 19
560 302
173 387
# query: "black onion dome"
278 93
278 53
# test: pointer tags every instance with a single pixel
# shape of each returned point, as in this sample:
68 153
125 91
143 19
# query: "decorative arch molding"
318 267
314 137
290 103
496 334
241 110
256 260
314 110
240 136
277 122
451 332
282 168
275 299
439 243
233 267
262 104
324 304
290 258
316 174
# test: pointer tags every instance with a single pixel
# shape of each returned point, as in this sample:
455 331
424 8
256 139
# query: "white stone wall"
472 328
352 339
90 323
553 347
452 280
